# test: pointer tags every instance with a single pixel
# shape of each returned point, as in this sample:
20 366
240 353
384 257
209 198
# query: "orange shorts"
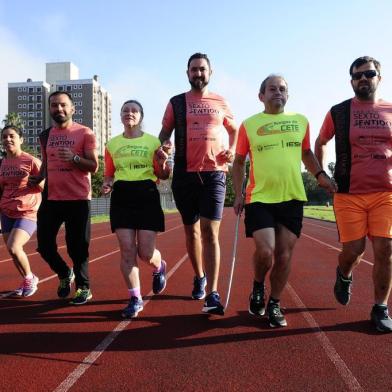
363 214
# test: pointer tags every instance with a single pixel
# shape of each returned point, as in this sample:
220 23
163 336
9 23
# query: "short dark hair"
16 129
138 104
199 55
263 85
364 60
55 93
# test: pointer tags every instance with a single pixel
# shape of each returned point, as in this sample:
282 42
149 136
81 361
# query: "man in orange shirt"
199 177
362 127
69 156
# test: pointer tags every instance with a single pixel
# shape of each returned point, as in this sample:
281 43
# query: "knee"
283 257
209 235
264 252
13 250
146 255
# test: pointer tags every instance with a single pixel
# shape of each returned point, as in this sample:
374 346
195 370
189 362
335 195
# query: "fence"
101 205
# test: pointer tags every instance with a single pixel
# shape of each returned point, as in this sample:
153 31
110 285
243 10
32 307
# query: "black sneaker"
159 279
381 319
256 301
275 316
212 304
133 308
65 285
199 287
82 295
342 288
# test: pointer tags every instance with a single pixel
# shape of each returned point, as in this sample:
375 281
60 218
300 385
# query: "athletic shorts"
199 194
363 214
136 205
265 215
7 224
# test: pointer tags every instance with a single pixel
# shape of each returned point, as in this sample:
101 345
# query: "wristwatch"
76 158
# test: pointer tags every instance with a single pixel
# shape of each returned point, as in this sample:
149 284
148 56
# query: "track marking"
316 225
9 293
74 376
343 370
332 247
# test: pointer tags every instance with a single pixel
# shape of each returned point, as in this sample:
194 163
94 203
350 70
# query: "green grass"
320 212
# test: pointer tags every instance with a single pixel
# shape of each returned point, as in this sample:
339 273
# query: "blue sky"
140 49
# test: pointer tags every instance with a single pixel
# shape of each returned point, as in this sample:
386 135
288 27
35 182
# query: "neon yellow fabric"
275 149
133 158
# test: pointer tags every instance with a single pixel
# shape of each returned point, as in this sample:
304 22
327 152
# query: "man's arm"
164 136
320 149
313 166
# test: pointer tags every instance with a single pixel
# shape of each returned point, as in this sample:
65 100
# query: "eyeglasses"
371 73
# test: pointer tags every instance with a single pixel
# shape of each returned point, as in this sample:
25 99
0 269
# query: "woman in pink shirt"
19 203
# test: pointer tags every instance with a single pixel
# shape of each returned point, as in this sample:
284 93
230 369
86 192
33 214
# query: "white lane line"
74 376
332 247
341 367
317 225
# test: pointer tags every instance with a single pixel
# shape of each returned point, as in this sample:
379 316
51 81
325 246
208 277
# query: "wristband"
76 159
317 175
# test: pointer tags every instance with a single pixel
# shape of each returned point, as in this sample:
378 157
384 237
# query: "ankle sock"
135 292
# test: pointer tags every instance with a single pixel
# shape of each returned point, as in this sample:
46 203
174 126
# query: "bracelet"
317 175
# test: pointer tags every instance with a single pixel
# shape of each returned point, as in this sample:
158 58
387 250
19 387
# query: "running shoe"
199 287
159 279
133 308
256 301
380 318
30 286
212 304
342 288
19 291
65 285
82 295
275 315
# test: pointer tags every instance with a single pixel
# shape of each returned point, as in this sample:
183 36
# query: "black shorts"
263 215
136 205
199 194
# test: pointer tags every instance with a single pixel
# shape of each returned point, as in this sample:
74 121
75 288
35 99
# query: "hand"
327 183
167 147
225 156
106 189
161 156
65 154
34 180
238 204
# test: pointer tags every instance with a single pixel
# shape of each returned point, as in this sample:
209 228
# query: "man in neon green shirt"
276 143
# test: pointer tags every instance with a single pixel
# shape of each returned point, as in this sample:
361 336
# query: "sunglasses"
368 74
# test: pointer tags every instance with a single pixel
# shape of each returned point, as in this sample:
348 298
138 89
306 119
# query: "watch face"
76 158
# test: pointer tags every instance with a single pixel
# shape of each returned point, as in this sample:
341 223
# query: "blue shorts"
268 215
7 224
199 194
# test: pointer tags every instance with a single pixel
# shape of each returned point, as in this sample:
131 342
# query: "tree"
331 168
13 118
97 178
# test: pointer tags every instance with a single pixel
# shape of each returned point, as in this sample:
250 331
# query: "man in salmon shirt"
276 142
362 127
199 177
70 155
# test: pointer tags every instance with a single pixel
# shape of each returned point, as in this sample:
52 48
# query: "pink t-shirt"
371 145
205 117
18 200
65 180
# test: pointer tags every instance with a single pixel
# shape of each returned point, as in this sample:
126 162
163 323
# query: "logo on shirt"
278 127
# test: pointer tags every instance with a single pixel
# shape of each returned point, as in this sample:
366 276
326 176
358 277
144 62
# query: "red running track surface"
48 345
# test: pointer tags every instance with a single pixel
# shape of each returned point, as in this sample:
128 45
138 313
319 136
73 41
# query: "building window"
31 114
20 98
39 130
39 123
60 88
24 106
31 106
37 139
38 114
24 88
31 90
68 88
30 123
30 132
39 106
20 106
24 97
19 89
39 89
38 98
31 140
31 98
24 114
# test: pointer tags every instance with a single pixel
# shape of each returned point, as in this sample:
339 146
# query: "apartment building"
93 106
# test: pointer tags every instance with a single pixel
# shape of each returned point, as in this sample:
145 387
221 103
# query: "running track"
47 345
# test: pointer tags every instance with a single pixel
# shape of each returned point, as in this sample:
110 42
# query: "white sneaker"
30 286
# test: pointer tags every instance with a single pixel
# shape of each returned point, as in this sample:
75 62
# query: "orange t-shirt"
205 117
371 145
65 180
18 200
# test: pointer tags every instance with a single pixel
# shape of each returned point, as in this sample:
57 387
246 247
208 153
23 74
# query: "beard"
60 118
364 90
198 83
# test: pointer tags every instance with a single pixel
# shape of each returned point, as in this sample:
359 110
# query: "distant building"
93 106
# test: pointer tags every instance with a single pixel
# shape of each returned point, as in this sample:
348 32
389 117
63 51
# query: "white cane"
237 223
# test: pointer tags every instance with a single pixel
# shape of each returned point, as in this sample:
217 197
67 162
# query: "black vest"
341 114
178 103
